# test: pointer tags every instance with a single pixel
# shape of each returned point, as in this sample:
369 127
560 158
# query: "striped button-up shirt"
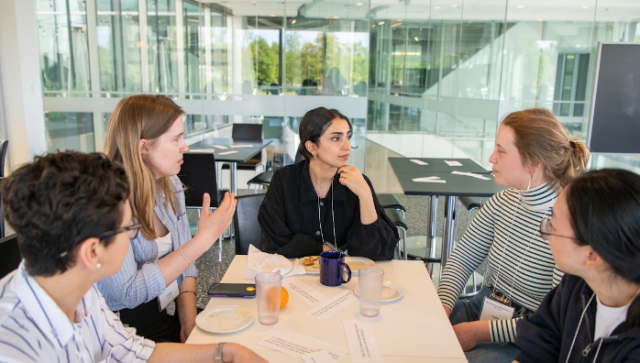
506 230
34 329
140 279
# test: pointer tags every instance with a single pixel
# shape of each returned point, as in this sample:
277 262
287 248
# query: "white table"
412 329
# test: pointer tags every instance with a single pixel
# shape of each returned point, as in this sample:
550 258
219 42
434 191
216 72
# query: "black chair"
397 218
9 254
246 221
198 174
247 132
390 201
472 204
264 178
4 145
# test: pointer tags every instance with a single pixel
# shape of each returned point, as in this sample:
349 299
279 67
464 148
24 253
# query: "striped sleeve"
503 330
468 254
132 286
121 344
557 276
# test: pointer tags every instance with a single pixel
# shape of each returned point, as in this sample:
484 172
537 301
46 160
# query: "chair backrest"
4 145
247 132
246 222
198 174
9 255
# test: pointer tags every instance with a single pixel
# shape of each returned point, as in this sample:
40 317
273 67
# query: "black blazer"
289 218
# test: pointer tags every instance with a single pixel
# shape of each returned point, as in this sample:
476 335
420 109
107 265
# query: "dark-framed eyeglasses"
545 230
134 228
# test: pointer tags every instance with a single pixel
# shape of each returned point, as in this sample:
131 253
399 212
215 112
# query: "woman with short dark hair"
323 203
593 315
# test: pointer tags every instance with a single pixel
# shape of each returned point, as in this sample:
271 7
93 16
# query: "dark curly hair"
60 200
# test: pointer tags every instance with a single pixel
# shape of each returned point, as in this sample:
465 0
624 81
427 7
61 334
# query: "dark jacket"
289 218
546 335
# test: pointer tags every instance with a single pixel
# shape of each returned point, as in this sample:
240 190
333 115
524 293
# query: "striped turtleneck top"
507 231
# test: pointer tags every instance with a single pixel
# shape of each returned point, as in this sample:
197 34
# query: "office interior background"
417 77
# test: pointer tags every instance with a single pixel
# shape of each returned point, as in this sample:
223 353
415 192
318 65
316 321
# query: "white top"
165 244
34 329
399 330
608 318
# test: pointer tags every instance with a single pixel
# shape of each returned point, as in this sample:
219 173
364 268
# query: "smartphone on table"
232 290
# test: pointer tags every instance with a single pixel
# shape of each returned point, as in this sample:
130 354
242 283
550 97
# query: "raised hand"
352 178
213 225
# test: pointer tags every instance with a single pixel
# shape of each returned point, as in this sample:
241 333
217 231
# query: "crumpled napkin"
259 262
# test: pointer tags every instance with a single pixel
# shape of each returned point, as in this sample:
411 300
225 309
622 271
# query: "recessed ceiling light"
416 38
437 7
336 17
455 5
586 7
293 21
273 15
359 4
380 23
539 19
399 19
520 6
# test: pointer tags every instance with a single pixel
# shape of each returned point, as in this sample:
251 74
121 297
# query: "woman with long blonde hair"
145 134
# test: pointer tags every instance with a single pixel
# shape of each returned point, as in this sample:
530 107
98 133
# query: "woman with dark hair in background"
535 158
593 315
323 203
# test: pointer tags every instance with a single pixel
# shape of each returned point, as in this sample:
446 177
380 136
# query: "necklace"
333 219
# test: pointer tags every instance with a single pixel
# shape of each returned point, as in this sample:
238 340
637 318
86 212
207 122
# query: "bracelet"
183 256
184 292
218 357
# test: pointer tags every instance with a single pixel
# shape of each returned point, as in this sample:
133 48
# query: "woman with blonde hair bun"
146 135
535 157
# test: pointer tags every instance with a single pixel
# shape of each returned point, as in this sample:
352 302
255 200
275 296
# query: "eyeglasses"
545 230
134 228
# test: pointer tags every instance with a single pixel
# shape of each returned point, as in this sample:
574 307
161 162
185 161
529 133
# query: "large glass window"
163 48
64 55
119 47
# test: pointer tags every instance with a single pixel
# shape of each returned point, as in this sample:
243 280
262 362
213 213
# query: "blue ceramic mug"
333 268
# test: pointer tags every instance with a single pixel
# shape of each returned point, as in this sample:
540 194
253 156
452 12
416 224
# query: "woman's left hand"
352 178
470 333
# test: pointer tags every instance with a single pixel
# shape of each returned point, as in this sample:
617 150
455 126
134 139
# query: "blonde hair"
542 139
135 118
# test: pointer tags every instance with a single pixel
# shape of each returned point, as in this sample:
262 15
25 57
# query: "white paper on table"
220 147
228 152
202 151
453 163
328 308
473 175
419 162
362 343
241 145
429 179
321 356
296 344
305 291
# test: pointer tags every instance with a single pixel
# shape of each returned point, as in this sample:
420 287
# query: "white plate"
224 319
390 292
312 269
356 263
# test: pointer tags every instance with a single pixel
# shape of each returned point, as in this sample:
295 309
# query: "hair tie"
573 145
